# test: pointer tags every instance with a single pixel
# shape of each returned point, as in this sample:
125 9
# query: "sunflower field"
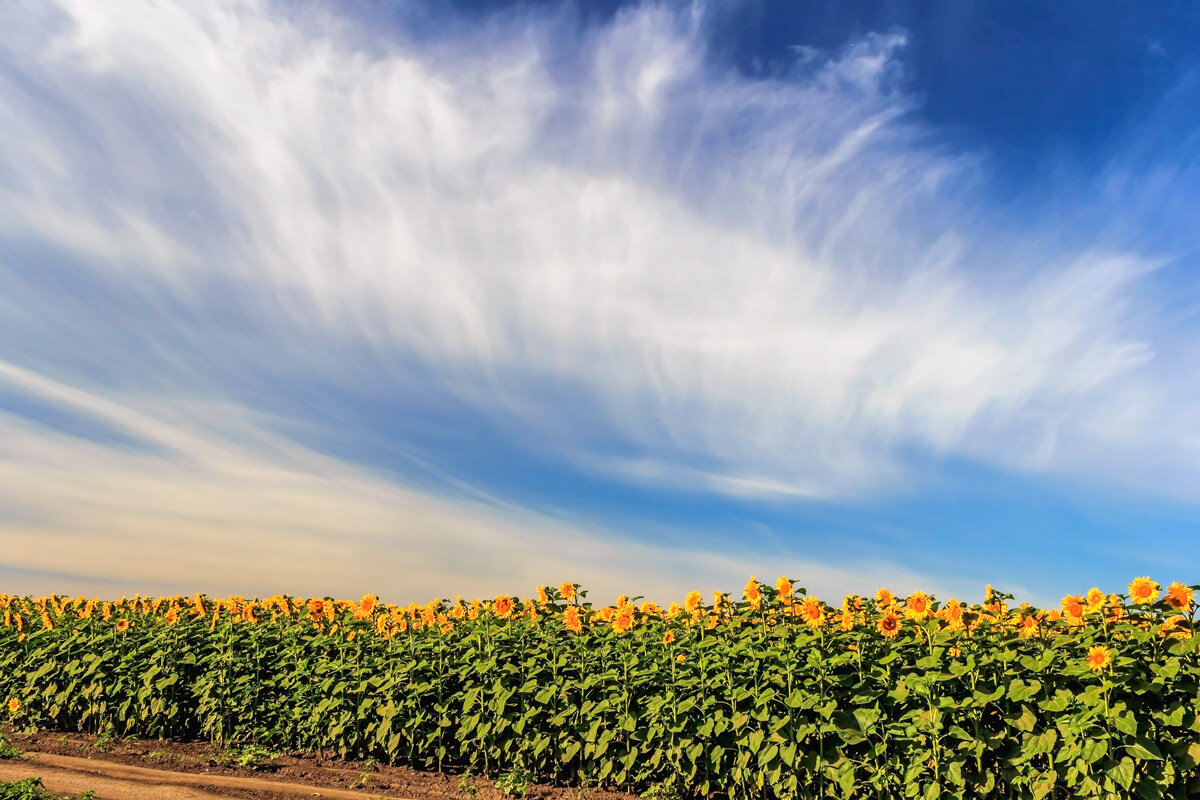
773 695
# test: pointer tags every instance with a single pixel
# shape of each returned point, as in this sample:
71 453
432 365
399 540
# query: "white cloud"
198 509
747 287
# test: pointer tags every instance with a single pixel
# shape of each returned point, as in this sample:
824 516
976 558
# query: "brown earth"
139 769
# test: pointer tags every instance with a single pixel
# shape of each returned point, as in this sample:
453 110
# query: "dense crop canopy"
775 695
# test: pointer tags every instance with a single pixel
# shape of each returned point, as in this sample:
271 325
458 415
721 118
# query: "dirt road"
72 775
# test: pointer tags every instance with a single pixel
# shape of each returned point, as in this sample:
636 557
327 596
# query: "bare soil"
141 769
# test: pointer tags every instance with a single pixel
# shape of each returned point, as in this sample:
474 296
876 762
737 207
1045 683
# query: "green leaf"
1144 750
1126 723
1122 772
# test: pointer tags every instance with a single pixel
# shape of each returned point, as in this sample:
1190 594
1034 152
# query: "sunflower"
951 614
1170 627
1099 658
669 637
784 587
1072 608
1028 626
889 624
1095 600
1179 596
752 593
122 625
1143 590
572 621
623 621
543 595
14 705
568 591
367 604
812 613
917 606
316 609
693 601
884 598
502 606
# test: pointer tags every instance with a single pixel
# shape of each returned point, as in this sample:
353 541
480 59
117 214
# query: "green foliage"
466 784
514 783
759 706
251 756
8 750
32 789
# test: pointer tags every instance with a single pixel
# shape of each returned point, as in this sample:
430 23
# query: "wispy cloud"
633 262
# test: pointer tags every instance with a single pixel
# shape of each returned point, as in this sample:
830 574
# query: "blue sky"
451 298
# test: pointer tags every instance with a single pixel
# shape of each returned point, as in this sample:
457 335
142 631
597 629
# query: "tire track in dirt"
110 781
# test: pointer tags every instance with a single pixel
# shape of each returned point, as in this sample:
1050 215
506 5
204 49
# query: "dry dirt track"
72 775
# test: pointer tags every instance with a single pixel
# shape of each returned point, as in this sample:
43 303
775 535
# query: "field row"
772 695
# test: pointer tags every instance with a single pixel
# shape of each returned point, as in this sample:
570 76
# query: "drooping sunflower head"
367 604
1172 626
752 592
1143 590
543 596
1099 658
784 587
567 590
572 621
1179 596
889 624
885 598
694 599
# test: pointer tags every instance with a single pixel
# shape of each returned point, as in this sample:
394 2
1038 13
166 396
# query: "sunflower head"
1072 607
1179 596
784 587
752 593
811 612
502 606
885 598
571 620
1099 658
1143 590
694 599
14 705
669 637
889 624
543 595
917 605
623 621
122 625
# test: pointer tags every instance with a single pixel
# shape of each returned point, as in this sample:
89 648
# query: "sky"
461 298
